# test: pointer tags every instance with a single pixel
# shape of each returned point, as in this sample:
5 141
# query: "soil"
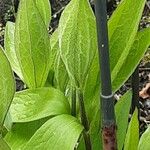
7 11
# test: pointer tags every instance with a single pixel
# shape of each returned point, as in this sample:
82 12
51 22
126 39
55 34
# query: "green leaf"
77 40
54 46
32 44
4 145
136 53
132 136
21 133
45 10
61 76
123 26
7 86
59 133
122 109
8 122
30 105
144 143
10 48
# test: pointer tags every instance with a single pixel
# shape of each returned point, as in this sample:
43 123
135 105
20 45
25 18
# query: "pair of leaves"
31 106
29 56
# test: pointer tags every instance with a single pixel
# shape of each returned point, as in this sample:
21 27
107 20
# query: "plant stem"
84 121
135 90
73 99
107 103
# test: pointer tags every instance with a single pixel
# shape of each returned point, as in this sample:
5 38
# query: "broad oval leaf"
7 86
21 133
136 53
144 143
122 109
123 26
77 40
30 105
45 10
4 145
10 48
32 44
132 136
59 133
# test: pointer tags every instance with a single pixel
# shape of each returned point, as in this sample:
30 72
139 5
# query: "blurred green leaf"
144 143
132 136
4 145
122 109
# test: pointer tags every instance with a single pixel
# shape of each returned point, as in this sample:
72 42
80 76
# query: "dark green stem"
73 103
84 121
135 90
107 103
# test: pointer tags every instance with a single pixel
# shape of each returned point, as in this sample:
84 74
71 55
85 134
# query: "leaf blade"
144 140
10 48
6 92
77 40
63 133
136 53
30 105
132 136
32 44
122 109
45 10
